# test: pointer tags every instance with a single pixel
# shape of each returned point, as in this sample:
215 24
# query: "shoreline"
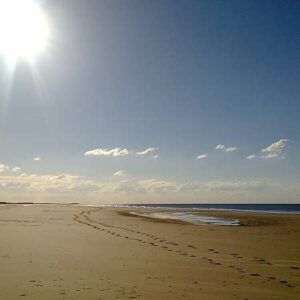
246 218
177 207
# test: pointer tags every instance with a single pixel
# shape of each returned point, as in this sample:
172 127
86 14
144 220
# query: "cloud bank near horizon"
67 186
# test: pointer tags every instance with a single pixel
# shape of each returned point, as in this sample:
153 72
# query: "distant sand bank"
75 252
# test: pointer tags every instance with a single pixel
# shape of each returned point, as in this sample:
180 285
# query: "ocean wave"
190 217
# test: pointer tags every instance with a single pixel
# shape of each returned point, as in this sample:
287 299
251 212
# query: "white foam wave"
190 217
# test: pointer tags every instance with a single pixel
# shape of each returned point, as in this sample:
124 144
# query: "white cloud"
155 186
33 183
220 147
84 187
225 149
152 186
3 168
148 152
235 185
73 188
37 159
13 186
107 152
275 149
201 156
158 186
251 156
230 149
16 169
129 186
210 186
119 173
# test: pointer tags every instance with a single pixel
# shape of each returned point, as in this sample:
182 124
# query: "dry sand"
73 252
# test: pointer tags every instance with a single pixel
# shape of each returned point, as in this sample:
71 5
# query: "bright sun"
23 29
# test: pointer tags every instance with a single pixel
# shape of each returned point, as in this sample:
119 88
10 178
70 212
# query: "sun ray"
24 35
23 30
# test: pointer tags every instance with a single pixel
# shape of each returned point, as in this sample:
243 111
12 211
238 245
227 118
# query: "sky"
139 101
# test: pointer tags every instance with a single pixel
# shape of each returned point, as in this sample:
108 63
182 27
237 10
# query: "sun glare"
23 29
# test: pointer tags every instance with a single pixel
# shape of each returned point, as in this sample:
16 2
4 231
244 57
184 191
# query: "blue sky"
178 76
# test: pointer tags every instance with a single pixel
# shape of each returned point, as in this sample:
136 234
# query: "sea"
273 208
193 211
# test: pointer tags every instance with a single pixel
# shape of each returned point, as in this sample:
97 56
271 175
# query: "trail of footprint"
153 237
261 260
158 240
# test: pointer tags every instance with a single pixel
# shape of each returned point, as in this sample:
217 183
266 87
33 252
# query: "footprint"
192 246
283 281
272 278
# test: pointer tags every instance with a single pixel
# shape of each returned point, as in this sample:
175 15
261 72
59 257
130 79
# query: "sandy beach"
77 252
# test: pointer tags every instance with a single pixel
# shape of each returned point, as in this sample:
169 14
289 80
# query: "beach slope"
77 252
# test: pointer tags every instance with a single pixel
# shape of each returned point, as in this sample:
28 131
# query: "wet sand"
76 252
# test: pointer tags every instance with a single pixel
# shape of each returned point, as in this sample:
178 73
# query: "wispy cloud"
225 148
202 156
35 187
16 169
230 149
119 173
158 186
3 168
274 150
12 186
107 152
146 186
163 187
251 156
250 185
148 152
210 186
220 147
36 158
34 183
